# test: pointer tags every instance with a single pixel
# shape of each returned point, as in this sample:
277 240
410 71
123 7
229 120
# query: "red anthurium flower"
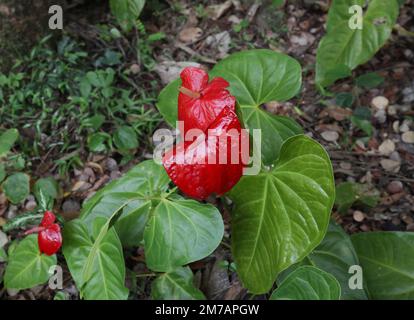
200 101
196 168
49 237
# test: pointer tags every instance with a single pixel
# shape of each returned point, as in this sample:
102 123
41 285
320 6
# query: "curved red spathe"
212 164
204 100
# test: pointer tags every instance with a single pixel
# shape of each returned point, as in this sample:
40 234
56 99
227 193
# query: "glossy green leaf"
181 231
167 103
281 215
308 283
143 181
27 267
387 260
342 49
160 219
95 260
176 285
125 138
257 77
17 187
126 12
335 255
7 140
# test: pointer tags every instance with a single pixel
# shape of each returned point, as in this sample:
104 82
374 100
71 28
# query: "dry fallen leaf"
81 186
221 41
190 35
170 70
215 11
339 114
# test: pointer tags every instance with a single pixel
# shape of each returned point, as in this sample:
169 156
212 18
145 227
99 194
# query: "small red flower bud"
49 237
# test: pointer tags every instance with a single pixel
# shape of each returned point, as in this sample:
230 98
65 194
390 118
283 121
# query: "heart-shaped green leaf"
281 215
342 49
7 140
335 255
17 187
387 260
143 181
308 283
27 267
167 103
181 231
161 219
176 285
95 261
257 77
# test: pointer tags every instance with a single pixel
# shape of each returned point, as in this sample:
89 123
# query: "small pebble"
395 156
135 68
390 165
395 187
111 164
396 221
115 175
358 216
12 292
410 227
30 205
380 103
405 126
330 135
3 239
345 165
392 110
408 137
70 206
396 126
11 213
381 116
386 147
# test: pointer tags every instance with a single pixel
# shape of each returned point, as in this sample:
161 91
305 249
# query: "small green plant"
15 184
344 47
66 93
126 12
